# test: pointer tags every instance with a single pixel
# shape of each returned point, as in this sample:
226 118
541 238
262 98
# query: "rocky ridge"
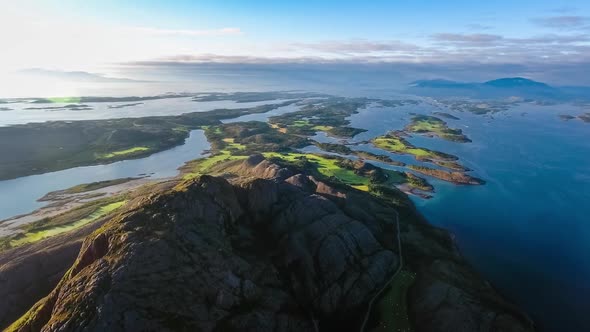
263 247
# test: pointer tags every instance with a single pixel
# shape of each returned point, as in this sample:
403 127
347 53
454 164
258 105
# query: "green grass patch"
300 123
43 233
202 166
126 152
326 166
437 127
231 145
322 128
393 142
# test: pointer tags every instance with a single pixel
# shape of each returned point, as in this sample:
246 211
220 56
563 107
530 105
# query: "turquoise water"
527 230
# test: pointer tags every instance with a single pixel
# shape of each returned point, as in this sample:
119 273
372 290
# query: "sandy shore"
60 202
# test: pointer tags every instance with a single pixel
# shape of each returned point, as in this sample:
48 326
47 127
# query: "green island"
433 126
454 177
584 117
328 116
68 107
363 155
477 107
566 117
394 142
124 105
92 99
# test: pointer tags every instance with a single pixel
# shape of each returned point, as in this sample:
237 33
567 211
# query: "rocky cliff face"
263 249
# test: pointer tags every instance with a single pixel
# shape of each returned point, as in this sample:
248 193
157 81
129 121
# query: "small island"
566 117
123 105
68 107
446 115
453 177
394 142
432 126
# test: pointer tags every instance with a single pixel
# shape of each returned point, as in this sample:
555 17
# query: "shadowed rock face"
270 251
257 256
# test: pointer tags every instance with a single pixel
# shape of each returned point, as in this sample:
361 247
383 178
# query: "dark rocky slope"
263 249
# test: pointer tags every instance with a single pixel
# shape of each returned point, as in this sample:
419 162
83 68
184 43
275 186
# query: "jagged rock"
169 263
271 251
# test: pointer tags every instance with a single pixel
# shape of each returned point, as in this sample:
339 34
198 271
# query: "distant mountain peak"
511 82
507 87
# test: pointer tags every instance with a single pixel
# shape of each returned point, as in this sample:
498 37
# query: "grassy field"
392 307
126 152
326 166
398 145
231 145
434 126
393 142
201 166
39 233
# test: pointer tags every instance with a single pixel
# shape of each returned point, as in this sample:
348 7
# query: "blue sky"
73 34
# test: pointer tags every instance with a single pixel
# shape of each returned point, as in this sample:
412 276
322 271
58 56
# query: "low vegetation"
329 116
433 126
127 152
453 177
394 142
63 223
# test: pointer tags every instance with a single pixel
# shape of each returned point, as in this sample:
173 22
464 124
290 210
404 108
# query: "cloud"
553 39
192 33
562 22
473 39
225 59
441 48
359 46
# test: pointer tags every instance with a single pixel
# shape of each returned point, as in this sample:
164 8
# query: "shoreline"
60 202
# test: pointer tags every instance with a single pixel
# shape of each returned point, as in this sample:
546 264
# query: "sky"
98 36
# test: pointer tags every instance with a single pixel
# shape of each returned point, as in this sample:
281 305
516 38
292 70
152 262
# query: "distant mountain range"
74 76
512 87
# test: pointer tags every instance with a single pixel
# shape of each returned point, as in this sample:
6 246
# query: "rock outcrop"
263 249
